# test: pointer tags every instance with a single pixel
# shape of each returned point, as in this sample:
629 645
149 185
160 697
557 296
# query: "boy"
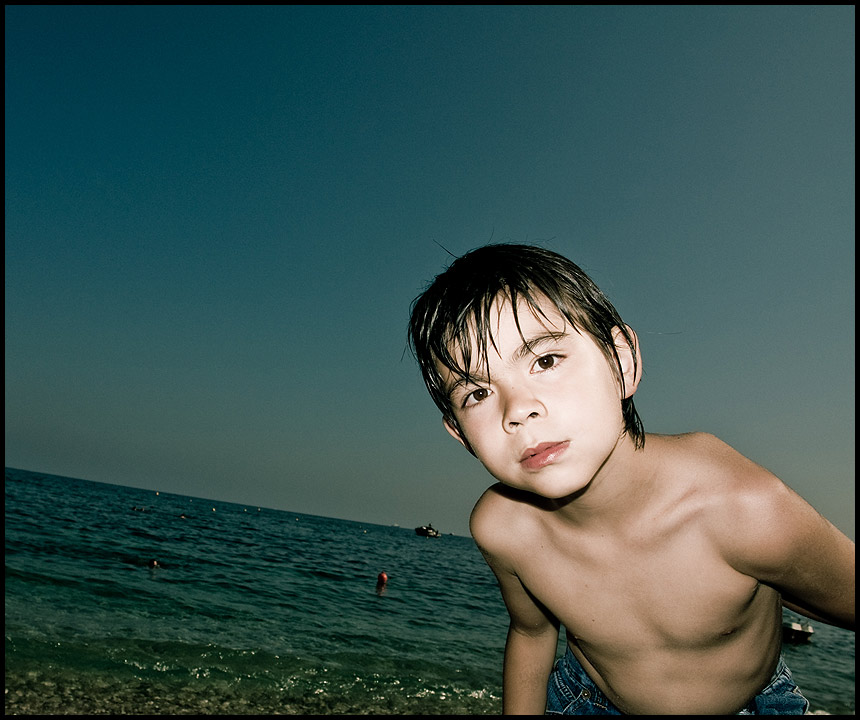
666 558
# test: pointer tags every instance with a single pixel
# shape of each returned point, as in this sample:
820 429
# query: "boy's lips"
543 454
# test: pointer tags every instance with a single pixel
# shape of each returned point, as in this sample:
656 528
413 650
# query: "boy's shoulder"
700 445
499 504
704 461
504 518
703 466
743 507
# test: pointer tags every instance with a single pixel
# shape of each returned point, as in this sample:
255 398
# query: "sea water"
251 610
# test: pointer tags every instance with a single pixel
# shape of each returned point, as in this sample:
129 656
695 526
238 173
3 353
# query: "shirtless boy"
667 559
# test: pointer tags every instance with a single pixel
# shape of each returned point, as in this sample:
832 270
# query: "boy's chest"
674 591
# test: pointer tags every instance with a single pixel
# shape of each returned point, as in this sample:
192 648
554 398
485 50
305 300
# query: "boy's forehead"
538 315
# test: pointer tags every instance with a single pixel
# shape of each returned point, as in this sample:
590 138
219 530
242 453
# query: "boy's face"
546 414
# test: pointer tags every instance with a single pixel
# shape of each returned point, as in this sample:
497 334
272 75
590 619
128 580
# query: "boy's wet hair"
457 306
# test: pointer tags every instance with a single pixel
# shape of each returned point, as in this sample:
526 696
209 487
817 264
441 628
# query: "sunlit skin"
667 565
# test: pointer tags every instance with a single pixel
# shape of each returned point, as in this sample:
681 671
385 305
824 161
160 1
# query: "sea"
251 610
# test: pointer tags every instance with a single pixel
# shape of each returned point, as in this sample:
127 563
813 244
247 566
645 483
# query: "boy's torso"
661 622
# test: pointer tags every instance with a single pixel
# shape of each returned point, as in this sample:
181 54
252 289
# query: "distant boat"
795 632
427 531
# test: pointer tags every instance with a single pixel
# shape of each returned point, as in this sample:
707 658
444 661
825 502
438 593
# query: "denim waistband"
572 692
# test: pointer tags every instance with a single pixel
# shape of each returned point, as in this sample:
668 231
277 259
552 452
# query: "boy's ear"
630 370
454 432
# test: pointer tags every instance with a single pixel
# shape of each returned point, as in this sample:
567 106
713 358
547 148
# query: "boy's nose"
520 407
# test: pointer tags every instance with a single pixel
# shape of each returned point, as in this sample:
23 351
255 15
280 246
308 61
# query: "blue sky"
218 216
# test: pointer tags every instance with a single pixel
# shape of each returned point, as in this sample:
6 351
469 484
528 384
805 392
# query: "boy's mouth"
543 454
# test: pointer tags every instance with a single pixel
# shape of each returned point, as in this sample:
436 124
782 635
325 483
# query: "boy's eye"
476 396
545 362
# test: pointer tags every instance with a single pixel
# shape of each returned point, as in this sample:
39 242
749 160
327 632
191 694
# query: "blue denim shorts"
571 692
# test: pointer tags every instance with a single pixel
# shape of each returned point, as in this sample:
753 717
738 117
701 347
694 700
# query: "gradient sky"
217 218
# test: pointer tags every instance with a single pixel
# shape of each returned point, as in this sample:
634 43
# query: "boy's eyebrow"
462 382
530 345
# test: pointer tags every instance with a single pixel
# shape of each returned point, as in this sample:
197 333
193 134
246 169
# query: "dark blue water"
252 610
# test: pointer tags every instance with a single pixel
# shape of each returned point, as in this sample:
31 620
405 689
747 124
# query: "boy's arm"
772 534
533 632
529 649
